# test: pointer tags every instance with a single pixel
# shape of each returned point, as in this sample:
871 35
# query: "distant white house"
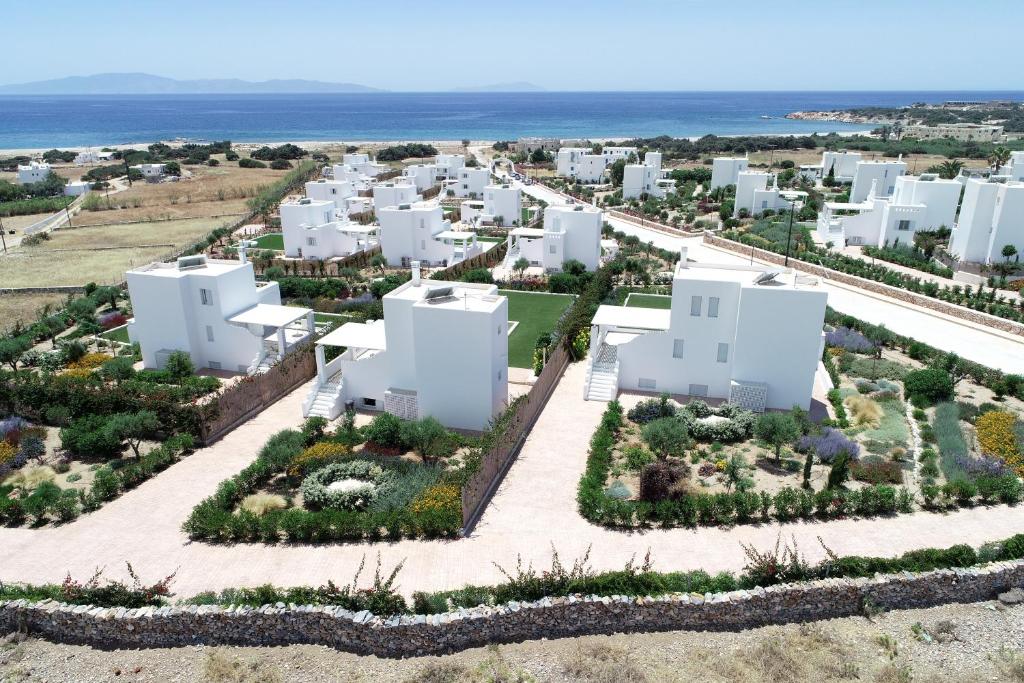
884 173
345 173
448 165
646 178
750 335
1016 168
341 192
755 196
502 202
394 193
33 172
924 202
613 154
86 156
151 172
423 176
77 187
419 232
440 351
991 217
467 182
529 144
216 312
364 165
726 170
581 164
843 165
315 229
570 232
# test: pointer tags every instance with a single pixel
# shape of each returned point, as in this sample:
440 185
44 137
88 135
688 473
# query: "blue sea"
66 121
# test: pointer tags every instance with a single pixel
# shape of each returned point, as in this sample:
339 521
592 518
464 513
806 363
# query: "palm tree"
950 169
999 158
520 267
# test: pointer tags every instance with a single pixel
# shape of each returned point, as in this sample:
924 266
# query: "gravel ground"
976 642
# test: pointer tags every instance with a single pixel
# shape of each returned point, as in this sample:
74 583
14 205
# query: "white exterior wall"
470 182
347 173
844 165
884 173
748 183
640 179
394 194
296 217
1016 167
423 176
33 172
362 164
448 165
505 202
567 160
613 154
337 191
572 231
726 170
408 234
150 171
86 157
939 197
991 217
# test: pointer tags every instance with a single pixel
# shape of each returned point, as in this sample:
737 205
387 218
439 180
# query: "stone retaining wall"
404 636
870 285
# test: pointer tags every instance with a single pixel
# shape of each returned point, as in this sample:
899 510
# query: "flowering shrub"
874 470
651 409
317 494
996 438
315 456
7 453
109 321
439 498
828 444
849 340
12 428
89 361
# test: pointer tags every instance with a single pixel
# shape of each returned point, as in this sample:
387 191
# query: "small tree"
777 430
379 262
520 266
666 436
840 470
179 366
734 470
808 462
427 437
117 369
1009 251
134 427
11 350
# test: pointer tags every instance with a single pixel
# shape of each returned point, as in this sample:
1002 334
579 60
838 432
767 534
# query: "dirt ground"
916 163
24 307
975 642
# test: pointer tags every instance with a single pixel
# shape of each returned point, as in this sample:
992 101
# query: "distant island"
148 84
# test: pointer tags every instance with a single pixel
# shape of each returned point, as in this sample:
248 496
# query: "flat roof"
269 314
357 228
171 270
454 235
527 232
470 296
359 335
636 317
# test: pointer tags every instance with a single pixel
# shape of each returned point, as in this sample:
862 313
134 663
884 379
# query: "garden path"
533 511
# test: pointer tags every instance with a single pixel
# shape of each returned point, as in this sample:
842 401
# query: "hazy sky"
556 44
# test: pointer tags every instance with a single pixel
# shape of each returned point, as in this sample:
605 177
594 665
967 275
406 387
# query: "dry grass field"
23 308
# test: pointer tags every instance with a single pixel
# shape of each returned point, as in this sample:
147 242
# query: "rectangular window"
310 241
903 225
206 297
712 306
552 249
647 384
695 304
209 333
723 353
698 390
677 348
214 365
423 244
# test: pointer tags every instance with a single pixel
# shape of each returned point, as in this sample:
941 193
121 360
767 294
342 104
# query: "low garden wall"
870 285
488 259
414 635
311 267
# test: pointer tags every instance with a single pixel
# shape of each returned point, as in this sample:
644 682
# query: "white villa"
393 193
344 172
750 335
646 178
363 164
571 231
843 165
341 192
469 181
33 172
501 203
726 170
924 202
992 216
423 176
216 312
315 229
1016 167
448 165
151 172
87 156
580 164
755 196
419 232
884 173
440 351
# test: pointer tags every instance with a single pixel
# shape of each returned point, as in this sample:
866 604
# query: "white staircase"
324 400
602 381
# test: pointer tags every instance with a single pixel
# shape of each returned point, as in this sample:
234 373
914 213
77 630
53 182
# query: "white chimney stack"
682 257
415 273
241 252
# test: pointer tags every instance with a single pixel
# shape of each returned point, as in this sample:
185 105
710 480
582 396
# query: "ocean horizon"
47 121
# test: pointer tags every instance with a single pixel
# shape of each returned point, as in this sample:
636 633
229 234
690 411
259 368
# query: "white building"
419 232
77 187
528 145
580 164
33 172
613 154
151 172
467 182
646 178
746 334
570 232
393 193
364 165
340 192
440 351
87 156
423 176
957 131
924 202
992 216
448 165
1016 168
501 204
216 312
884 173
345 173
843 165
315 229
726 170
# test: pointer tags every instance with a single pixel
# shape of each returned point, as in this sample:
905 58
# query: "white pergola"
273 322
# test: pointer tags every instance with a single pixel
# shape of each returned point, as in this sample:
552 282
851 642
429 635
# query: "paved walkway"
534 509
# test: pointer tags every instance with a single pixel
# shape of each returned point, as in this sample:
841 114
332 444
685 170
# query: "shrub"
260 504
313 429
428 438
840 471
829 444
317 494
636 457
666 436
929 385
848 340
93 436
865 411
246 162
28 478
658 481
179 366
315 456
652 409
996 437
384 430
777 429
875 470
89 361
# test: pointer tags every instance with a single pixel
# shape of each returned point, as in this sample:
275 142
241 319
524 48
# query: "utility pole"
3 240
127 171
67 212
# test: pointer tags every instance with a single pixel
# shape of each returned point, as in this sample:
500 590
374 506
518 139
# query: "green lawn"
649 301
117 334
490 239
274 240
536 313
332 317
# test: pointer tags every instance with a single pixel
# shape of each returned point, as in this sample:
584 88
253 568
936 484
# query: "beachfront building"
924 202
613 154
842 164
964 132
151 172
315 229
364 165
394 193
467 182
750 335
216 312
570 232
884 173
440 351
419 232
33 172
991 217
581 164
726 170
646 179
502 205
423 176
448 165
87 156
529 145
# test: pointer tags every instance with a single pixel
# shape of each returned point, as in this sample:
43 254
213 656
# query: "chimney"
241 252
682 257
415 273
